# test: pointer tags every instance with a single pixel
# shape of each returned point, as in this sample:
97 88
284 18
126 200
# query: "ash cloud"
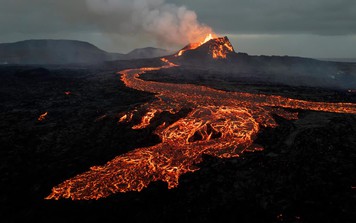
169 24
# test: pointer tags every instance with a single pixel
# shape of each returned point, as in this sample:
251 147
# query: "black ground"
305 174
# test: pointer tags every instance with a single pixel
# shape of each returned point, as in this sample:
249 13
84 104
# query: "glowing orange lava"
218 48
221 48
221 124
193 46
42 117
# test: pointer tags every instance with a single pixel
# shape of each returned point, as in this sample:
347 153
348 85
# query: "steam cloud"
169 24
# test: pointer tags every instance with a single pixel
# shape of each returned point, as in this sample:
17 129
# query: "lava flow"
221 124
193 46
42 117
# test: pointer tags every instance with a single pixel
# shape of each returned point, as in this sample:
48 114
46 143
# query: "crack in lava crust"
221 124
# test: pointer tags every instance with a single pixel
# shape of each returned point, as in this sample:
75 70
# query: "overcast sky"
311 28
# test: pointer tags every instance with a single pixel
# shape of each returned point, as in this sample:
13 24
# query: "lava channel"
221 124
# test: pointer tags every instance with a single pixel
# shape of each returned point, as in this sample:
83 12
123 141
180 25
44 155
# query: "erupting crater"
217 48
221 124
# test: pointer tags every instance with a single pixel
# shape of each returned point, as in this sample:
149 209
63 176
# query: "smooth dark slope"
148 52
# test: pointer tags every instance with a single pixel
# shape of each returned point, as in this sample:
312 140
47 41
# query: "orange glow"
42 117
221 48
221 124
218 49
193 46
207 38
146 120
100 118
169 63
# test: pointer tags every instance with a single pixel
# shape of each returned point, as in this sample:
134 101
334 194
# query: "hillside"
66 52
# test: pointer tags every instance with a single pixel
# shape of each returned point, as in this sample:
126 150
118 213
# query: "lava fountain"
221 124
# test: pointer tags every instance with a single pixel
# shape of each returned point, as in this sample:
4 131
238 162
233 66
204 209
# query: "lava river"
221 124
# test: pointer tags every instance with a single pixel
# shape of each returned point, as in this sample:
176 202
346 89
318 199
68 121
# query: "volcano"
211 48
218 57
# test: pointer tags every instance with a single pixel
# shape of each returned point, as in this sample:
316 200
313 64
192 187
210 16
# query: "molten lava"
42 117
220 48
221 124
193 46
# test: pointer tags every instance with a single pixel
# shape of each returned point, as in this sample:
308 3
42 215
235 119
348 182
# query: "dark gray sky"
312 28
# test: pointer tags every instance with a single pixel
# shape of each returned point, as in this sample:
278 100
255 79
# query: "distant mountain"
66 52
347 60
148 52
50 52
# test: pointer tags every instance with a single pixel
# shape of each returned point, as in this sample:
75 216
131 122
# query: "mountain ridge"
53 51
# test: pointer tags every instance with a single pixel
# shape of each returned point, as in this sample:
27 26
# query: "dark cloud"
120 25
43 16
322 17
167 23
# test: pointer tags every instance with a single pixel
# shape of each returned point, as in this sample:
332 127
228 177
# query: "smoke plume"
169 24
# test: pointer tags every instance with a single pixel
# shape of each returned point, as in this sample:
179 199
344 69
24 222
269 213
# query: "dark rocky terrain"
252 84
285 70
305 173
